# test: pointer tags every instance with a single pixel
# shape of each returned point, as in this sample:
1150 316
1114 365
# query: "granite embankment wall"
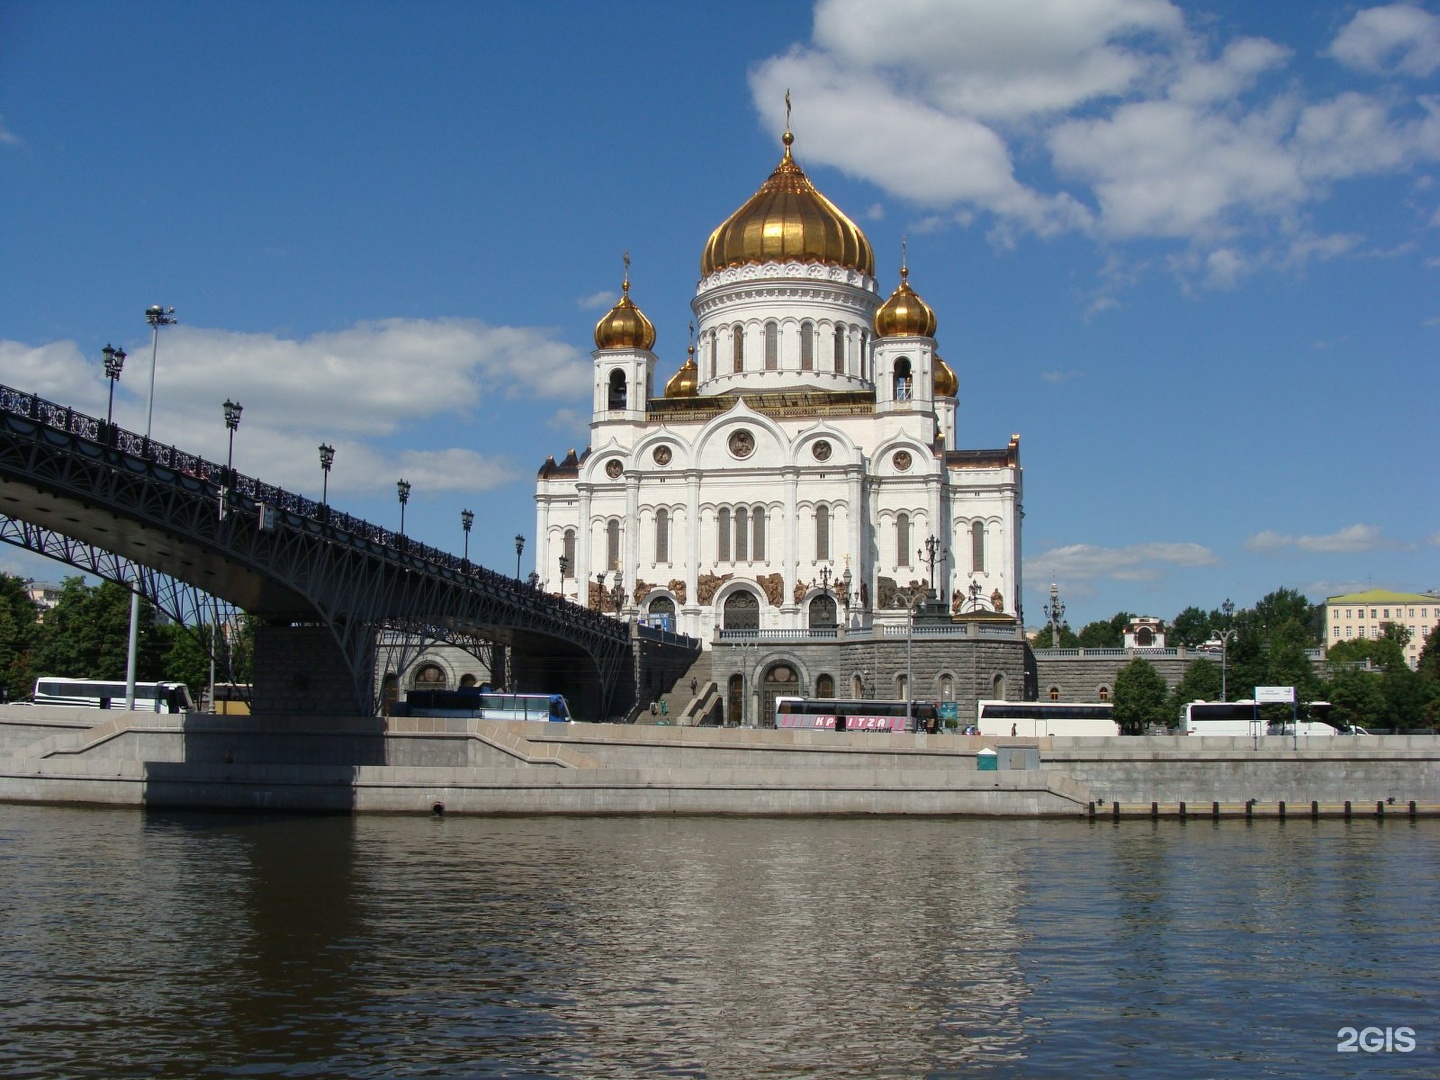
410 764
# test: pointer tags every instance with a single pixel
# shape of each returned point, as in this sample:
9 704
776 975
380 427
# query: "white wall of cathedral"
623 382
772 327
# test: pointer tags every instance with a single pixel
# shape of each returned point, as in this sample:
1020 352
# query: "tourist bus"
1245 718
1037 719
485 704
837 714
160 697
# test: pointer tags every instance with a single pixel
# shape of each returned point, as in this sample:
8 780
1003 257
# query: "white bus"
486 704
1037 719
1245 718
160 697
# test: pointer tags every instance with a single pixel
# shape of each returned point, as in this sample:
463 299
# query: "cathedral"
801 474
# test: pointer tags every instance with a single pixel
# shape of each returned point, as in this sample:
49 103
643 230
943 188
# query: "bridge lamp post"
467 519
617 594
600 591
157 317
849 579
233 409
519 548
114 362
327 458
564 572
932 550
402 488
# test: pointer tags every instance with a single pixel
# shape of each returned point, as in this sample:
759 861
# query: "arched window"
429 677
825 687
714 351
977 547
757 535
617 389
662 535
468 679
902 686
742 611
772 346
807 346
662 605
947 688
612 544
722 534
737 344
1104 693
997 688
742 534
1054 693
902 379
569 547
839 354
857 687
902 539
822 533
822 612
1144 637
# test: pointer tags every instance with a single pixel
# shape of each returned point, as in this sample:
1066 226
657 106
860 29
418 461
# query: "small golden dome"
946 384
625 325
905 314
787 220
684 382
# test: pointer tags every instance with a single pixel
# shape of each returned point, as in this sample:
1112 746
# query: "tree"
1201 682
86 635
1141 698
1282 605
1191 627
1105 634
1429 666
1357 697
19 632
1287 663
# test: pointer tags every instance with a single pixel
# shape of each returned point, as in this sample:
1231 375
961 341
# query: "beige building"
1364 615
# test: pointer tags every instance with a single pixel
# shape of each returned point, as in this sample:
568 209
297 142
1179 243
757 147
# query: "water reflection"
185 945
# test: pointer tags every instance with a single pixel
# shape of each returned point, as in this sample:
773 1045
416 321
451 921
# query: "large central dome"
787 220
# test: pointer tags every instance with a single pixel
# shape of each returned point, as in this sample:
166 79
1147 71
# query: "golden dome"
625 325
905 314
946 384
685 381
787 220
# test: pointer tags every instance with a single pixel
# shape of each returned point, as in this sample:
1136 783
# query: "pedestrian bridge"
188 533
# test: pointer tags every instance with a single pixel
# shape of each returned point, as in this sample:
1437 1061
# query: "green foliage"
1191 627
1106 634
1282 605
19 634
87 635
1287 664
1141 698
1201 682
1358 697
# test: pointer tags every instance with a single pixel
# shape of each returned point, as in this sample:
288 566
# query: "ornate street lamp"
600 591
519 547
848 579
114 361
327 458
564 571
932 550
402 488
534 579
233 409
825 580
467 519
617 594
1054 611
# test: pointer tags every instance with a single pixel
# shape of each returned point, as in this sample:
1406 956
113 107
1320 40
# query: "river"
196 945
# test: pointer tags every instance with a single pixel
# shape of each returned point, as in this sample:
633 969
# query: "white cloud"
1351 539
1398 39
600 301
352 388
1114 118
7 137
1080 564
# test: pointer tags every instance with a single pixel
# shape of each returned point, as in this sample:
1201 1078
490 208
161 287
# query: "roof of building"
788 220
1381 596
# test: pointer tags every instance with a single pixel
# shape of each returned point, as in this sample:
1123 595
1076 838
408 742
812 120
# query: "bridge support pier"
301 669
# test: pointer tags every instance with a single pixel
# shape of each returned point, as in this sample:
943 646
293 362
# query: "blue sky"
1189 252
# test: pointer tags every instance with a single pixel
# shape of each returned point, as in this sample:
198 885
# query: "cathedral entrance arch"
742 611
780 680
822 612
